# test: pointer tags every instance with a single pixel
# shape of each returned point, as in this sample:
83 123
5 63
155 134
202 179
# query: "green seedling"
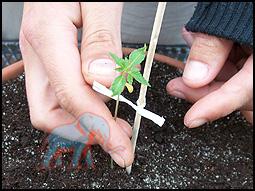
128 72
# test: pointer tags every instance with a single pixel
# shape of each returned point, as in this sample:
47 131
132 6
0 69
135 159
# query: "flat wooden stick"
147 70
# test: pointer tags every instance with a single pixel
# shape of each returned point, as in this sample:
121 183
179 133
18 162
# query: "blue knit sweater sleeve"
230 20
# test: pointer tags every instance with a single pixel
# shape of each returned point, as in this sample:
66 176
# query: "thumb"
207 56
101 35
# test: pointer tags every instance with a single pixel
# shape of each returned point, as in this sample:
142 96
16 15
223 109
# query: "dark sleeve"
230 20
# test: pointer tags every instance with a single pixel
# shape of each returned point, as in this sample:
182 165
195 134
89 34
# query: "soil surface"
217 155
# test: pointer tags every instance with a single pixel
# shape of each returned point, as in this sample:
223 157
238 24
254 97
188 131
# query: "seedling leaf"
138 76
118 85
134 69
118 61
137 56
119 69
129 71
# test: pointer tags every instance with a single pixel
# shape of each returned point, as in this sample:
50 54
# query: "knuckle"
204 45
204 40
30 31
35 28
64 96
209 46
102 36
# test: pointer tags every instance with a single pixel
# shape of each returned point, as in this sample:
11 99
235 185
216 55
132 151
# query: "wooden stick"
115 118
147 70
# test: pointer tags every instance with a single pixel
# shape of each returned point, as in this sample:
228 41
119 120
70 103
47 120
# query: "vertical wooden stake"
147 70
115 118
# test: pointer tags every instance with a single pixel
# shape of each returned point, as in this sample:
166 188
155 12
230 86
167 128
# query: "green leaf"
118 85
119 69
130 79
134 69
118 61
137 56
138 77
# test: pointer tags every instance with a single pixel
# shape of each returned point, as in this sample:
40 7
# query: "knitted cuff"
229 20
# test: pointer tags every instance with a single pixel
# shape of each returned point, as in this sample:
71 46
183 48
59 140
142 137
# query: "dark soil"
217 155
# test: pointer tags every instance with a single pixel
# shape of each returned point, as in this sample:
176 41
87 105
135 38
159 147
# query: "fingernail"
195 71
178 94
102 67
196 123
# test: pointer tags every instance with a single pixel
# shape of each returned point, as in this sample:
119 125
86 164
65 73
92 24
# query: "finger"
45 113
206 58
103 97
233 95
125 127
178 88
187 36
60 56
101 35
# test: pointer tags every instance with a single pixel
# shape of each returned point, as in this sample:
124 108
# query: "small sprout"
129 71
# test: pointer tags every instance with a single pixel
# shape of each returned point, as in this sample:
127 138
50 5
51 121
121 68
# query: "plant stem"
115 117
146 74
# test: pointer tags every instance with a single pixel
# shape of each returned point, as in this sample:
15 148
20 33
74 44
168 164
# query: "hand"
59 77
218 79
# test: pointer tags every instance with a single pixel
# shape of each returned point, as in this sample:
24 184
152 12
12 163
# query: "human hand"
59 77
218 79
